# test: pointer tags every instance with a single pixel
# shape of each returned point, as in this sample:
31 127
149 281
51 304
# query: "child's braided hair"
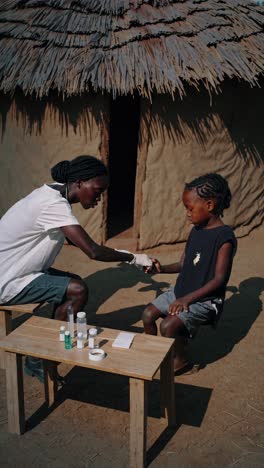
214 186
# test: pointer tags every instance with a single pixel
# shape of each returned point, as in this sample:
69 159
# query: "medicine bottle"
67 340
62 333
80 340
81 324
91 339
70 320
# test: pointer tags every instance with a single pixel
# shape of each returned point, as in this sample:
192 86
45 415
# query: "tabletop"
39 337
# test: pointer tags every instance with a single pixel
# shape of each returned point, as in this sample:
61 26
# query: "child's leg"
185 325
173 327
149 317
158 308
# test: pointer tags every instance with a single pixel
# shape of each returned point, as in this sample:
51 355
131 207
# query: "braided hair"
80 168
214 186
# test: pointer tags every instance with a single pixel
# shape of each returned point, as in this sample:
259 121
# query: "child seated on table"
204 269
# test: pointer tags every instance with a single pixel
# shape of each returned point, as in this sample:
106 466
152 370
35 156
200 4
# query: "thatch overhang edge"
201 44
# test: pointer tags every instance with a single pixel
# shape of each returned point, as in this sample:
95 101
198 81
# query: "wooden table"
6 321
40 337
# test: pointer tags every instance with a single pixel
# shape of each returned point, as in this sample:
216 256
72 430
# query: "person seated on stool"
32 233
204 269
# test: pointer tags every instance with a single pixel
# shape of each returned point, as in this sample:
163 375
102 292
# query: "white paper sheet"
123 340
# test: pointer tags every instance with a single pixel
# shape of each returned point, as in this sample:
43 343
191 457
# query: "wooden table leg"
50 382
138 422
5 329
15 393
168 389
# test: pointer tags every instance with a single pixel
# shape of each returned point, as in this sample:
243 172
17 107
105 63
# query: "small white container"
80 340
96 354
91 338
62 333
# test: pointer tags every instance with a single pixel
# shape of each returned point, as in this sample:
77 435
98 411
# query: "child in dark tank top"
204 268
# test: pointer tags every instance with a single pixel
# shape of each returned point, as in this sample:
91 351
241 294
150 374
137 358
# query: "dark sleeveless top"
200 259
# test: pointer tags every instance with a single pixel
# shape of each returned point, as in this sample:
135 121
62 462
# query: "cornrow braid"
214 186
80 168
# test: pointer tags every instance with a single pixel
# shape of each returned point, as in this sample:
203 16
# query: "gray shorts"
199 313
49 287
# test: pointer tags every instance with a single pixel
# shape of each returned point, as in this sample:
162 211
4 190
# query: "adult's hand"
142 260
139 260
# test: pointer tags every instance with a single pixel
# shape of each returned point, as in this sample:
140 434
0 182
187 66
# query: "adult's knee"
78 289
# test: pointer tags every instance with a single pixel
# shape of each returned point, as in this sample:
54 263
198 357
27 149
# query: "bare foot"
185 367
178 364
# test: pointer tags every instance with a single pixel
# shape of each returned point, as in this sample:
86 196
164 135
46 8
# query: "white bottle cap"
62 328
93 331
79 335
67 332
81 315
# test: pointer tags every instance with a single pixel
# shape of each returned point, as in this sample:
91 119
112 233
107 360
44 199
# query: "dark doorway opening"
123 143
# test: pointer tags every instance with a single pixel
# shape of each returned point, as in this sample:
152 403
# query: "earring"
66 192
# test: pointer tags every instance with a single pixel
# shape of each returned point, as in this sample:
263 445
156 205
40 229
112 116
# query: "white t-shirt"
31 238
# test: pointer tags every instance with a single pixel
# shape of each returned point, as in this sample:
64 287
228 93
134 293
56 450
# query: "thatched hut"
161 90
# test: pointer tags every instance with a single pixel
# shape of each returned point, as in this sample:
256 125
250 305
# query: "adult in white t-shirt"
32 233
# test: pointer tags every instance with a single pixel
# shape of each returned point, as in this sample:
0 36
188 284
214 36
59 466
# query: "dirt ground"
220 410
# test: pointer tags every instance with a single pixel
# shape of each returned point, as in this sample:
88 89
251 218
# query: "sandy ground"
220 410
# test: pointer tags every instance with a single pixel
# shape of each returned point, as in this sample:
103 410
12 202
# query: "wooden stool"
6 321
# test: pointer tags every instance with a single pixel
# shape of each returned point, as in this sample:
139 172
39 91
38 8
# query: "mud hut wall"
27 156
191 137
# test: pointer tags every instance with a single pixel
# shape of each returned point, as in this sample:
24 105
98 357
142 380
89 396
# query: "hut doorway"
123 144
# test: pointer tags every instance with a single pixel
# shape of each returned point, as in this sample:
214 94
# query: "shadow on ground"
112 391
240 312
105 283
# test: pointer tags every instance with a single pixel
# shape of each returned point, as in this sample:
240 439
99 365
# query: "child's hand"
155 268
178 306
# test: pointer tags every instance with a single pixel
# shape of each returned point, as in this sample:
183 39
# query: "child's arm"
158 268
222 271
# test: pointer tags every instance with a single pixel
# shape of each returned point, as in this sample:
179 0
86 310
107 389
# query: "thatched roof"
120 46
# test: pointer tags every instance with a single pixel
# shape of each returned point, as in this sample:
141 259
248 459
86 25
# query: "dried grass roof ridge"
122 46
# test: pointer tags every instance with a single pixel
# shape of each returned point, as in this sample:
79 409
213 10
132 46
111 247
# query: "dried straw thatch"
121 46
